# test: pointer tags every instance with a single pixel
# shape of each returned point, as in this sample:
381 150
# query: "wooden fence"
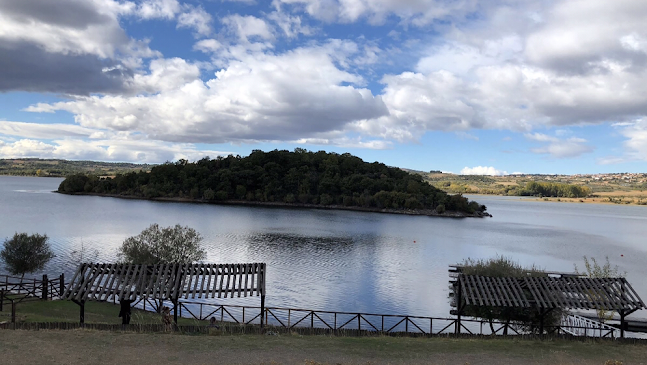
45 288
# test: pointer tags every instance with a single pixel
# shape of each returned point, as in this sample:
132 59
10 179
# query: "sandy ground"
94 347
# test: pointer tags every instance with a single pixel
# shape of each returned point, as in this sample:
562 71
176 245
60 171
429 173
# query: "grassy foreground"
67 311
92 347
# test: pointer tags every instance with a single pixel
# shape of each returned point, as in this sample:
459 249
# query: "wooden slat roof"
550 292
166 281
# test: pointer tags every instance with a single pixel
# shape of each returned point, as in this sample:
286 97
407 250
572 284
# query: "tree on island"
524 318
156 245
25 253
281 177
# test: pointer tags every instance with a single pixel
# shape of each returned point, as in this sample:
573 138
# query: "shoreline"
420 212
599 200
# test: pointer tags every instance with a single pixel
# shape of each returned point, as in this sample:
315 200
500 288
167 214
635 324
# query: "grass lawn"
67 311
93 347
84 346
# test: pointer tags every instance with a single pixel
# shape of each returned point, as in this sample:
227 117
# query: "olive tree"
156 245
24 253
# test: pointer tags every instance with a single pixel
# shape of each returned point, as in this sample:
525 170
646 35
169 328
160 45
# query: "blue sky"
464 86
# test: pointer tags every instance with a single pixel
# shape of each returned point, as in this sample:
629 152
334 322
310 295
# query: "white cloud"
94 30
416 12
158 9
289 96
560 148
197 19
208 46
482 170
105 150
246 27
45 131
291 26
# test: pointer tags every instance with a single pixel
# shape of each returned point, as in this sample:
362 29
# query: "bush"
440 209
156 245
25 253
526 319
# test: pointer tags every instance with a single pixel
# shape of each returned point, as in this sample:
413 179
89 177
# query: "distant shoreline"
590 200
422 212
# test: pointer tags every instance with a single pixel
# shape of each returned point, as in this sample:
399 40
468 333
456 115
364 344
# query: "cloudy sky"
534 86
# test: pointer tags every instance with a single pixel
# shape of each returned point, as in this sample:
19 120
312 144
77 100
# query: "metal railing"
582 326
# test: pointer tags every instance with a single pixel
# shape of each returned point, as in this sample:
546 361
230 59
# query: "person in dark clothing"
124 312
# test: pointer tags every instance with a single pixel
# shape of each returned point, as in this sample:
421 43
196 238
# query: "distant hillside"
62 168
617 188
281 177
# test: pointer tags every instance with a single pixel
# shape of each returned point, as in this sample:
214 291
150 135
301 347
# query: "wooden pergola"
545 293
172 281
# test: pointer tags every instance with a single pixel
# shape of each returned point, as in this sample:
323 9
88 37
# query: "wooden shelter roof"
550 292
165 281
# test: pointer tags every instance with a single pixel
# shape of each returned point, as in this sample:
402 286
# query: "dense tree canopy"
301 176
25 253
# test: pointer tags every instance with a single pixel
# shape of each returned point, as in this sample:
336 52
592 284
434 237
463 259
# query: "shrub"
156 245
25 253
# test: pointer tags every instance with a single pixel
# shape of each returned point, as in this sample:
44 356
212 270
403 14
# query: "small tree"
25 253
156 245
594 270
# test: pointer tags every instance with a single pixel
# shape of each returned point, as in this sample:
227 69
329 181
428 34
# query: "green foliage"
25 253
525 318
555 190
280 176
595 270
156 245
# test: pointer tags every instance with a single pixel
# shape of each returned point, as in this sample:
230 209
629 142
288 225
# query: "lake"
339 260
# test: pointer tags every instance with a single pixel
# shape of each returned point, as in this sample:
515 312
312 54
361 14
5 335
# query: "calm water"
338 260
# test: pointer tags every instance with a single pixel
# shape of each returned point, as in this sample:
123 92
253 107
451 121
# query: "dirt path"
93 347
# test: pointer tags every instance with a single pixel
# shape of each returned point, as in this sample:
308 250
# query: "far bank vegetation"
300 178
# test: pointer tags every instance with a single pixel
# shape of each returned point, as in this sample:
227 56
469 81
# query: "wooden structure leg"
262 309
175 304
81 304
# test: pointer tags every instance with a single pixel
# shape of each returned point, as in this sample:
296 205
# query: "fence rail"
25 288
298 319
295 318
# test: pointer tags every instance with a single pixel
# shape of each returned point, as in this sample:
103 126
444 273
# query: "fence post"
13 312
1 299
61 284
45 288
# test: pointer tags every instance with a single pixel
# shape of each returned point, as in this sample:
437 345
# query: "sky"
463 86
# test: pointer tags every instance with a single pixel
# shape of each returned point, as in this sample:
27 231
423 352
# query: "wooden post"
1 299
13 312
45 287
82 317
458 306
262 309
541 321
62 284
175 303
622 324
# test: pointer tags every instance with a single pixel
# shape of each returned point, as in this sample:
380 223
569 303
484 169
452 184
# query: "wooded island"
299 178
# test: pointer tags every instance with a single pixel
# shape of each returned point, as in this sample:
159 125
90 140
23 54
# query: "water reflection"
338 260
